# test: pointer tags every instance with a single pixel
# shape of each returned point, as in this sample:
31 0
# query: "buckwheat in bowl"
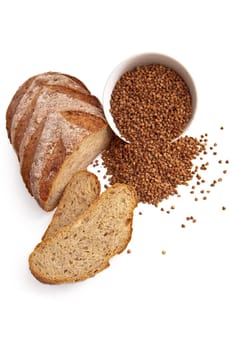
150 90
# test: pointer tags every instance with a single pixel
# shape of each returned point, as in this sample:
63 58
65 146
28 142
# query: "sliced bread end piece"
84 248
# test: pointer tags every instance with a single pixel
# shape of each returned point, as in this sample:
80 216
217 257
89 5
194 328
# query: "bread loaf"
78 195
56 128
83 248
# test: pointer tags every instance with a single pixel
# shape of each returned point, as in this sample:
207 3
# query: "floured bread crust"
49 118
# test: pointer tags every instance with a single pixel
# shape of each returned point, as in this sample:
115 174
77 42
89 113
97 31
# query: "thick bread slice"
78 195
84 248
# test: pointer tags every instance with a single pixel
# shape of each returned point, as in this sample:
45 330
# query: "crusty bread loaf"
83 248
78 195
56 128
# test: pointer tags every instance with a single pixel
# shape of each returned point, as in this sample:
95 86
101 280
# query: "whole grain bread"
83 248
56 128
78 195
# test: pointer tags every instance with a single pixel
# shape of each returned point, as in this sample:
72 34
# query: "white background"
180 300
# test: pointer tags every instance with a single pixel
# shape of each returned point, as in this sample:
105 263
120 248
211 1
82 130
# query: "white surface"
181 300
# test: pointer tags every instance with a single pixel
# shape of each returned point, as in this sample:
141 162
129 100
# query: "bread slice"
78 195
84 248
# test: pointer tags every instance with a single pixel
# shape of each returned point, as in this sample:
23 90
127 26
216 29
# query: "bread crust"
40 79
14 104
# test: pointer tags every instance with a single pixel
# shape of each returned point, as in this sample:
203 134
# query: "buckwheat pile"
151 106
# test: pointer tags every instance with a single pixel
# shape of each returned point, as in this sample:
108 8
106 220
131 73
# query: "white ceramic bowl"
141 60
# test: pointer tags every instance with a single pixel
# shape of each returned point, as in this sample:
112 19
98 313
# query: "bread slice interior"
84 248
